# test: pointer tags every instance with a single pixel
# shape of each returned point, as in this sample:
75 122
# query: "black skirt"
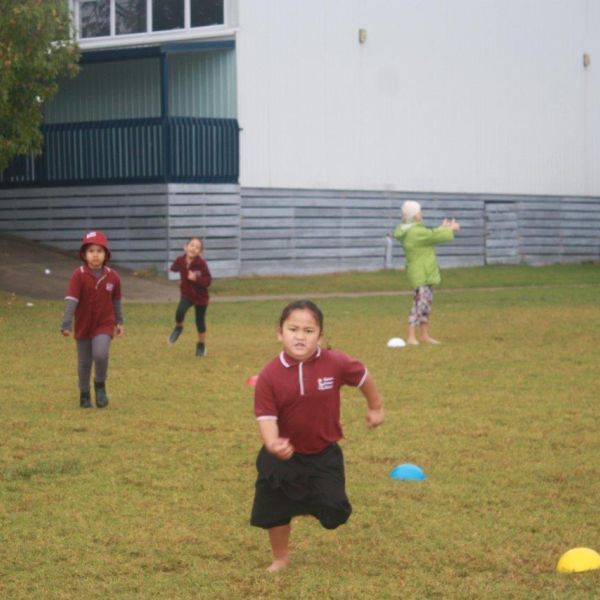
306 484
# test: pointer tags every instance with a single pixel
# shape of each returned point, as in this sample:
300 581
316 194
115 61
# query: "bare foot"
277 565
430 340
412 342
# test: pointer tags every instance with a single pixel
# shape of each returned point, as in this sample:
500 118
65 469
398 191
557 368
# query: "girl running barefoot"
297 406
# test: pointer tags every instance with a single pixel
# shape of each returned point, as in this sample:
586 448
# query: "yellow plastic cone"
578 560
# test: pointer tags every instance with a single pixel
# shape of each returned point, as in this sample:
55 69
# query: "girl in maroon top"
297 406
194 283
94 298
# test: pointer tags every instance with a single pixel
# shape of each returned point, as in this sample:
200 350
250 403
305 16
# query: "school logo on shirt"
325 383
110 287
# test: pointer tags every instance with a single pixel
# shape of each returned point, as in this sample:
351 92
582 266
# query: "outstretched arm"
280 447
374 416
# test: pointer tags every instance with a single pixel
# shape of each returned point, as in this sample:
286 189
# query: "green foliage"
150 498
36 50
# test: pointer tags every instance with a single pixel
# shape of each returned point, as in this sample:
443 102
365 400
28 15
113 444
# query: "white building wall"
592 98
486 96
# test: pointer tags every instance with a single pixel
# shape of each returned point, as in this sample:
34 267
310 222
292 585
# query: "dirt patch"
39 271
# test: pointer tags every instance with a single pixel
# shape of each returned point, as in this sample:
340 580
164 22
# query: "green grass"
150 498
393 280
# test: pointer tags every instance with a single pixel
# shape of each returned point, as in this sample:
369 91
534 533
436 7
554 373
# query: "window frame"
225 29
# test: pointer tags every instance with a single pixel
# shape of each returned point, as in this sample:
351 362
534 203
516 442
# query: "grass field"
394 280
150 498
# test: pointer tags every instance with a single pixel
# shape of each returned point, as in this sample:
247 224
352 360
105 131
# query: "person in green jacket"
422 267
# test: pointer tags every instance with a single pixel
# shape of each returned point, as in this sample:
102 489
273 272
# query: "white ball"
396 343
47 271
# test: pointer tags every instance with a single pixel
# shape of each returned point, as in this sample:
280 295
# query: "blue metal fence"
170 149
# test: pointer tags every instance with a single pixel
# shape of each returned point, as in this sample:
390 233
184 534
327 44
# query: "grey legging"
94 351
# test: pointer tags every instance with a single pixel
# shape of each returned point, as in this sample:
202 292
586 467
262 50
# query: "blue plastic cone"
407 472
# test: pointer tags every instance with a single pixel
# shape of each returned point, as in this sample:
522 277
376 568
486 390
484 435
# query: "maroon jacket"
196 291
94 313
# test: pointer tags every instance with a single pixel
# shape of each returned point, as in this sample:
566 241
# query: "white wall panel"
592 96
462 96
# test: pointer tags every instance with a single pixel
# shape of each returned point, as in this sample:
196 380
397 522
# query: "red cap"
94 237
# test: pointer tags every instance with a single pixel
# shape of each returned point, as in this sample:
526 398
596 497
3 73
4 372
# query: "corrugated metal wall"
104 91
202 84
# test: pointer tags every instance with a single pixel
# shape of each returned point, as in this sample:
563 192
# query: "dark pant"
184 305
306 484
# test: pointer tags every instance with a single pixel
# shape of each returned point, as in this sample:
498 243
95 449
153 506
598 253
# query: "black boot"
200 349
101 397
175 334
85 400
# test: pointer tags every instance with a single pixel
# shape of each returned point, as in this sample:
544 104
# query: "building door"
501 234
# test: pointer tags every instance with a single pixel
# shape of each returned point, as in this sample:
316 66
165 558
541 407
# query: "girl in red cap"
94 297
195 281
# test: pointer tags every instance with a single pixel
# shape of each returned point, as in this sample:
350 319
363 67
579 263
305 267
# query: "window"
130 16
206 12
167 14
109 18
94 18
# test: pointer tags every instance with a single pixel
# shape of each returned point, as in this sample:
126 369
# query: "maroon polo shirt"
196 291
304 397
94 313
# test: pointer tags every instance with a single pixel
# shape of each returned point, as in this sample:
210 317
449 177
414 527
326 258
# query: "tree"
37 48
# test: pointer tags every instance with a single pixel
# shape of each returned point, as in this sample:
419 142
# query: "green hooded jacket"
418 242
